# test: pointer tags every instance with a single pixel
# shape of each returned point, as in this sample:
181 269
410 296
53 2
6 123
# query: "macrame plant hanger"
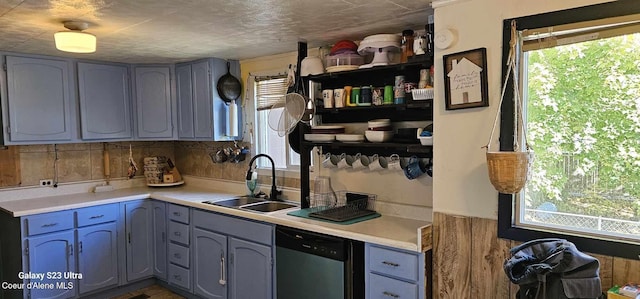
509 171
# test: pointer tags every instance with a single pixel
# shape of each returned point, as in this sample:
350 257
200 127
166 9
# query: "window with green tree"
581 92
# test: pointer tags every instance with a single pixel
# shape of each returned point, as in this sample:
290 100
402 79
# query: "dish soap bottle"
252 183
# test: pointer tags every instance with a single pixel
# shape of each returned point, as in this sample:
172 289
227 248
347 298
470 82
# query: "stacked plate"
379 130
324 133
154 168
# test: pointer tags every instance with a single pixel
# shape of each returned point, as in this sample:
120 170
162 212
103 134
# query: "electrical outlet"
46 183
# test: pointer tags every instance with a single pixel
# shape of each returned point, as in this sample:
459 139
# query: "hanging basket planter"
510 170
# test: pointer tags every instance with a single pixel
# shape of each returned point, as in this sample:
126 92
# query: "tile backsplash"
77 162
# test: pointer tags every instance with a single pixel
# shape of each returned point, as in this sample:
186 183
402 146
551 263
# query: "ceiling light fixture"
75 40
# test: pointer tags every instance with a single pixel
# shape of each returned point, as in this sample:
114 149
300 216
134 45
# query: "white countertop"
385 230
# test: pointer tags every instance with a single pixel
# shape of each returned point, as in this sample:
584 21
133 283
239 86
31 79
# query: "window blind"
548 37
269 91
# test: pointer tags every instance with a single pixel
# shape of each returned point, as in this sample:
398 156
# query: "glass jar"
407 45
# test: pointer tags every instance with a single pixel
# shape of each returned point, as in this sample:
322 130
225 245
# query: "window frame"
507 228
291 170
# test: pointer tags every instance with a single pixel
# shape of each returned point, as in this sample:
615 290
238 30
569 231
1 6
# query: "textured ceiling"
164 31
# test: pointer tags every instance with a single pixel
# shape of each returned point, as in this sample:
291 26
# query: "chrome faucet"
274 190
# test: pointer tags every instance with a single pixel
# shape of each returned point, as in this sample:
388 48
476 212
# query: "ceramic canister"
398 89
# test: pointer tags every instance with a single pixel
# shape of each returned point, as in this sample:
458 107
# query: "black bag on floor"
553 269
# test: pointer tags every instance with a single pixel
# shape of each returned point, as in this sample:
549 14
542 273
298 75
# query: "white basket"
422 94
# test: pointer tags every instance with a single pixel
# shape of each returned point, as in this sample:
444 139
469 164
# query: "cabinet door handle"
163 237
177 255
70 249
391 264
177 234
177 277
392 295
50 224
129 237
96 217
177 214
80 247
223 279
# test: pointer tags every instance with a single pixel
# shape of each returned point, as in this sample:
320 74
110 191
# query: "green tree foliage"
583 121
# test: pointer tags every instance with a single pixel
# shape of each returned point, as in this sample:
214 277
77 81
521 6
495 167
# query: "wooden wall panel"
606 270
625 270
488 254
452 256
9 166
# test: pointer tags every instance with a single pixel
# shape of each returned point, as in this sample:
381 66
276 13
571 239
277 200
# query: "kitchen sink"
236 202
268 206
252 204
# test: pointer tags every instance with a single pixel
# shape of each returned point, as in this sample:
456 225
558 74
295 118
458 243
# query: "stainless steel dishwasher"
316 266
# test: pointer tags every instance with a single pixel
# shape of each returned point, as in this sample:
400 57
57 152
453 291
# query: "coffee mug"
414 168
330 161
347 95
338 97
327 97
396 163
346 161
360 161
378 162
355 96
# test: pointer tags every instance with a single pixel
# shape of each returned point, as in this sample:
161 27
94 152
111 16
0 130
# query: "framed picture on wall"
465 77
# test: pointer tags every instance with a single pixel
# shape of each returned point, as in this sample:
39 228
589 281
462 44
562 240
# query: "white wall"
461 184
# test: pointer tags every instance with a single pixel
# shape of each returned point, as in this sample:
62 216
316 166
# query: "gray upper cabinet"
202 113
154 105
39 101
105 106
184 92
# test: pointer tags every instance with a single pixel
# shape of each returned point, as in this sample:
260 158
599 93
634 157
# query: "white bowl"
375 123
311 66
378 136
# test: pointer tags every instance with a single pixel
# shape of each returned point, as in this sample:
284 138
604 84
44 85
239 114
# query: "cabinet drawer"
179 232
49 222
179 213
179 255
381 287
180 276
246 229
97 214
394 263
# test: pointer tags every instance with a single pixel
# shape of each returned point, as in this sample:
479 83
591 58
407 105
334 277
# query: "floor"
153 292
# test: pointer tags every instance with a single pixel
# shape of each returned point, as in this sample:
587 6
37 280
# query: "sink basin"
268 206
235 202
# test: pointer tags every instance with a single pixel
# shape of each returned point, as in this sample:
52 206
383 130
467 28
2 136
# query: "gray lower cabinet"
139 239
159 240
232 257
393 273
179 251
39 101
249 260
154 103
202 114
76 251
54 254
209 260
97 257
105 101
